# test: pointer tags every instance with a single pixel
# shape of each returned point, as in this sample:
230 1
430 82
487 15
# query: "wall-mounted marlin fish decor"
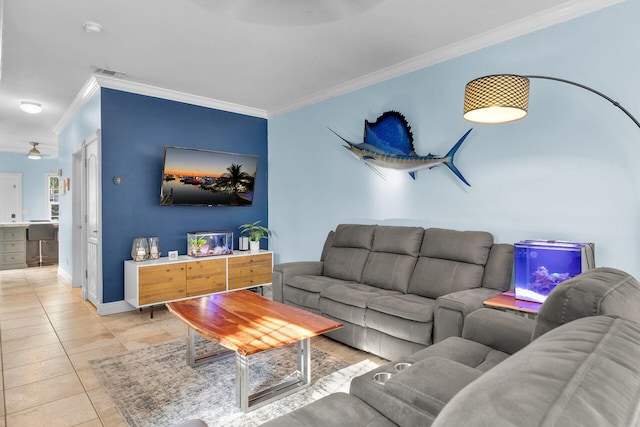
388 143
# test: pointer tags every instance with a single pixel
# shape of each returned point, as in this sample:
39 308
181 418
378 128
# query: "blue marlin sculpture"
388 143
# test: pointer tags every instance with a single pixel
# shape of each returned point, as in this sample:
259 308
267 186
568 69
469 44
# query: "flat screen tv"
207 178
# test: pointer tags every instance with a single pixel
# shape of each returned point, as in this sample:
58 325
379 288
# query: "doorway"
11 196
86 234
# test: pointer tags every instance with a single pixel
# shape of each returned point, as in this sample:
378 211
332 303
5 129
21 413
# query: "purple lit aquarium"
539 265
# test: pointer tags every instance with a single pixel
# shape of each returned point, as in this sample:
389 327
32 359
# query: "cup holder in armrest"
401 365
382 377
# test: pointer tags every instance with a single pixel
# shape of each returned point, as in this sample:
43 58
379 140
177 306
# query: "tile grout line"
55 331
75 371
4 384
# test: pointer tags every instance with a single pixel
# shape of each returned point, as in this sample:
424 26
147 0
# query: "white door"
11 196
92 225
78 238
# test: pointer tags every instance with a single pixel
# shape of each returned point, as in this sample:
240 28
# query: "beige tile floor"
48 334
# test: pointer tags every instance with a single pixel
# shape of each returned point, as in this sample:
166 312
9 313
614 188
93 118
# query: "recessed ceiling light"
92 27
30 107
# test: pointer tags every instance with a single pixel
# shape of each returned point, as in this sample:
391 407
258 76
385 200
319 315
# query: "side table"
506 301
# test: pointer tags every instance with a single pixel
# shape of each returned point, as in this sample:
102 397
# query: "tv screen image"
199 177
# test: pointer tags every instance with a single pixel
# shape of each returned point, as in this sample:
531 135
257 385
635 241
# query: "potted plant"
255 231
196 244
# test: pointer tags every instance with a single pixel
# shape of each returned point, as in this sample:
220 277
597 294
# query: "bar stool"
40 233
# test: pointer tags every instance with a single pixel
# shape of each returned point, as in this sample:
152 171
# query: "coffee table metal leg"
304 360
191 352
242 382
248 402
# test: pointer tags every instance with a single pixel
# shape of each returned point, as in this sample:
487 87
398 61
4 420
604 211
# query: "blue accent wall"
567 171
135 129
34 181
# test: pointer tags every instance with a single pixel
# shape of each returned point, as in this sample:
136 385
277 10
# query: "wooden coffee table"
246 323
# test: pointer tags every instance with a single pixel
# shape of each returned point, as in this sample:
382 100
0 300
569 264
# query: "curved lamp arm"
502 98
614 102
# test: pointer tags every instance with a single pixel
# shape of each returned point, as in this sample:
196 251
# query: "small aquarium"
539 265
209 243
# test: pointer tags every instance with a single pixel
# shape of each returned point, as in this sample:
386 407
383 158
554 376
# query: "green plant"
255 231
197 242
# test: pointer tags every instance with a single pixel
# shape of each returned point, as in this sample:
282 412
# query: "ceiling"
266 56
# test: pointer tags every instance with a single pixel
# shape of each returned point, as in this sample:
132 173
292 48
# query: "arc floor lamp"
502 98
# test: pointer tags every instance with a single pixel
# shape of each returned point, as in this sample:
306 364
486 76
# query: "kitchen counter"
16 251
26 224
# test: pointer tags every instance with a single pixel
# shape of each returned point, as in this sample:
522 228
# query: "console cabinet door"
162 283
251 270
206 277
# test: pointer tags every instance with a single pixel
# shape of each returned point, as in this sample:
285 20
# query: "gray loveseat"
397 289
575 365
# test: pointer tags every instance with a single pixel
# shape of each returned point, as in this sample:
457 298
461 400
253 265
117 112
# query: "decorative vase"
154 247
140 249
254 246
243 243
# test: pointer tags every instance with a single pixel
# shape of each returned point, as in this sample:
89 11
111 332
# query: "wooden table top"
507 300
247 323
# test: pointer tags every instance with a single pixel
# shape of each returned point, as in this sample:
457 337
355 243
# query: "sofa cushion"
601 291
337 409
435 277
353 236
407 317
388 271
350 248
327 245
406 306
398 240
469 353
304 291
499 267
312 283
348 301
471 247
354 294
345 263
430 383
583 373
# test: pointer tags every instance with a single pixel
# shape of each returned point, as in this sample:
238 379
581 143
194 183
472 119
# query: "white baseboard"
66 276
105 309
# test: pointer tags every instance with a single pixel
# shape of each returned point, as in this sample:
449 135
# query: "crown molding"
174 95
87 91
539 21
547 18
96 82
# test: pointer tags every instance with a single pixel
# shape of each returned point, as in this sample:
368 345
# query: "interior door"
92 219
11 196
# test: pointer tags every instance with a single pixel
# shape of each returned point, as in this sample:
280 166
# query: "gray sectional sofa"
397 289
576 365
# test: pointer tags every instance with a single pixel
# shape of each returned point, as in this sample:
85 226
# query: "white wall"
34 181
84 124
568 171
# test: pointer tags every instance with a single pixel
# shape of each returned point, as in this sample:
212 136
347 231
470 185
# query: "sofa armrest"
282 272
451 309
499 330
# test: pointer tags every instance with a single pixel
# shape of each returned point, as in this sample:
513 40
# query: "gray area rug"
155 386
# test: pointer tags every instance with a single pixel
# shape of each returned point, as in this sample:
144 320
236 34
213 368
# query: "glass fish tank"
209 243
540 265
